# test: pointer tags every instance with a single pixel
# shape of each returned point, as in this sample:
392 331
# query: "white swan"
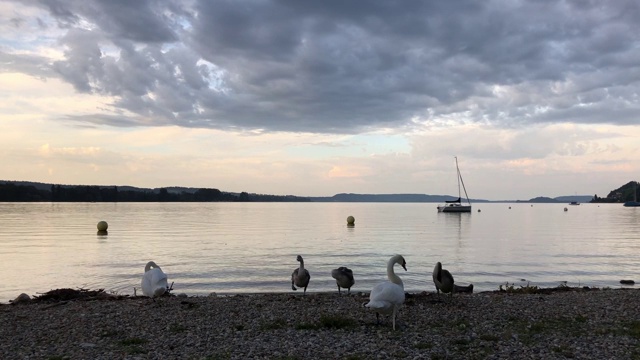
154 281
443 279
300 277
344 278
386 297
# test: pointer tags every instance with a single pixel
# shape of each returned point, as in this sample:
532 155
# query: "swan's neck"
301 270
392 274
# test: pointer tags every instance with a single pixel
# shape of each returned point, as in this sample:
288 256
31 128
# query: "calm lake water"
252 247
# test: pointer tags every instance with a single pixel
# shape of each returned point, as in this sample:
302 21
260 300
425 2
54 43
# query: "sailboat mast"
461 181
458 174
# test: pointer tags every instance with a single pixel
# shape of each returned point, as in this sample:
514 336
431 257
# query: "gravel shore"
573 323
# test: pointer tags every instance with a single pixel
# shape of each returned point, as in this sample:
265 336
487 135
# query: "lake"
252 247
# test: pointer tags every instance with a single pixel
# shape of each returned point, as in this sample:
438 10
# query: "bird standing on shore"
387 297
344 278
154 280
443 279
300 276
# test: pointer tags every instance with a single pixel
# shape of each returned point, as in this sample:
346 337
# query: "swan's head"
398 259
150 265
299 258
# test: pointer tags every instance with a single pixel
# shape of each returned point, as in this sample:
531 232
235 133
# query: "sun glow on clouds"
347 171
47 151
22 94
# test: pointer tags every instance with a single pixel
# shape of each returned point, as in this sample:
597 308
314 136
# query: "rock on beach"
578 324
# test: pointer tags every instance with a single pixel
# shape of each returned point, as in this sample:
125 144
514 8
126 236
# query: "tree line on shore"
627 192
24 191
11 192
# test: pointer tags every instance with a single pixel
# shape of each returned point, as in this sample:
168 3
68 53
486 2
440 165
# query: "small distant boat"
456 206
635 202
574 203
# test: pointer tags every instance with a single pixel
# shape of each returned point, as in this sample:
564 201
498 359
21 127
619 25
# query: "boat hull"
632 204
454 208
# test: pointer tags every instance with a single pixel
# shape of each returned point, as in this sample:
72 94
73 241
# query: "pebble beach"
575 323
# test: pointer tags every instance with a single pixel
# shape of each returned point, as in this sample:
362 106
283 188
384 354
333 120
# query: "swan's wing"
447 274
158 277
447 281
387 292
145 281
304 279
147 288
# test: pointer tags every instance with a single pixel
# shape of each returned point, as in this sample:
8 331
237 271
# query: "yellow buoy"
102 226
351 220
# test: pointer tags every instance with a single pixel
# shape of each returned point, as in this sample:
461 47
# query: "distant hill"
540 199
577 198
622 194
559 199
350 197
26 191
178 193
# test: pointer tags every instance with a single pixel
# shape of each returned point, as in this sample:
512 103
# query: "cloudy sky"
313 98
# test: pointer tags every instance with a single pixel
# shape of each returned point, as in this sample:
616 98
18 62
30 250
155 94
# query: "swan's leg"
377 318
305 291
394 317
349 291
292 287
339 293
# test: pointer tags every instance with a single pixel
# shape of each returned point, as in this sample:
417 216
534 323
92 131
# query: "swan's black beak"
404 266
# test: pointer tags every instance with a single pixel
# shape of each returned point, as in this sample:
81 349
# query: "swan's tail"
159 291
375 304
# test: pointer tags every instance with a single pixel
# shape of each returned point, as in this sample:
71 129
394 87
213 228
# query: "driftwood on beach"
66 294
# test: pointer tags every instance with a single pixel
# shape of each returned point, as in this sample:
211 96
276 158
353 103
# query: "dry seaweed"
67 294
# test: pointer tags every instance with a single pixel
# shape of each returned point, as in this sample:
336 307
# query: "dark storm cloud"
140 20
347 66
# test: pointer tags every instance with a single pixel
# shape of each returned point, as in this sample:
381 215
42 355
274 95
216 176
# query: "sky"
314 98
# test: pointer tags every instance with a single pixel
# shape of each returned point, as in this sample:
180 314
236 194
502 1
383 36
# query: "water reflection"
45 246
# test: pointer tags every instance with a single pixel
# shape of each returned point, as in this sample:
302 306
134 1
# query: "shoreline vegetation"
27 191
512 322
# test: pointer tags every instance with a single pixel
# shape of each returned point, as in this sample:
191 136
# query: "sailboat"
456 206
635 202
